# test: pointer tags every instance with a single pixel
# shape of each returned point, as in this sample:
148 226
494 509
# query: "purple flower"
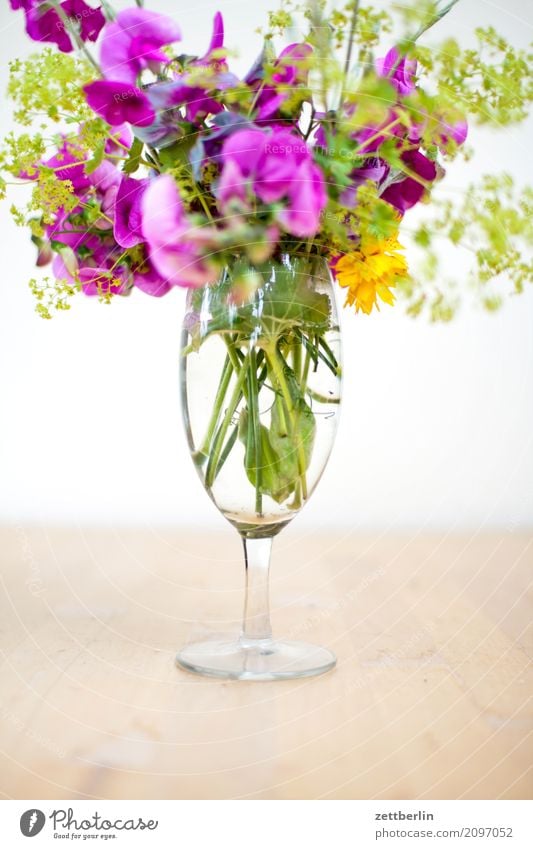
456 132
119 102
374 170
103 281
128 220
133 42
197 100
399 70
289 73
149 281
43 23
273 166
176 248
69 165
92 261
217 38
406 193
450 128
371 138
122 137
190 90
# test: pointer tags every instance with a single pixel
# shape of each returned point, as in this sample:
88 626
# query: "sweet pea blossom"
399 70
147 279
193 89
275 166
103 280
43 23
405 193
289 72
133 42
176 248
128 220
119 102
69 164
96 267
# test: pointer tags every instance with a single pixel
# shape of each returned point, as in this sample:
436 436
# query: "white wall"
437 427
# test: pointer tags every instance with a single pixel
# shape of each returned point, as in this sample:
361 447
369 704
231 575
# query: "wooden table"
431 697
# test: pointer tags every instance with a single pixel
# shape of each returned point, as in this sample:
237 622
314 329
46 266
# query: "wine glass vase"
261 381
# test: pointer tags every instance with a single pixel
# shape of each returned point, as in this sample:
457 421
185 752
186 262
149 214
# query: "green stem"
71 29
216 448
305 372
278 366
317 354
254 424
322 399
219 400
440 14
348 61
296 349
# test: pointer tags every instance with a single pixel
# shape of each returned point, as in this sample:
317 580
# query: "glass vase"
261 390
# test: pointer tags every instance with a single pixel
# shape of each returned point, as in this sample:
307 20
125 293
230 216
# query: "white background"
437 425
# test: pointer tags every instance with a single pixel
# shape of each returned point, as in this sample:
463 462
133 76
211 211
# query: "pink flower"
103 281
128 218
289 72
44 24
177 249
275 166
119 102
133 42
399 70
406 193
150 282
190 90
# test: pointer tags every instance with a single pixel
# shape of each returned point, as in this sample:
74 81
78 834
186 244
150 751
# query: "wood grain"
431 697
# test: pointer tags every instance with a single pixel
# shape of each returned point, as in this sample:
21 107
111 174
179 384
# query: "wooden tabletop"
431 697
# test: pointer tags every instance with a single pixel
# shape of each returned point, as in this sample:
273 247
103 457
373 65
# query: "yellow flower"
371 271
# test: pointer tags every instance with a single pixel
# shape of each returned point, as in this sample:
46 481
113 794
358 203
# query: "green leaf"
291 434
134 159
96 160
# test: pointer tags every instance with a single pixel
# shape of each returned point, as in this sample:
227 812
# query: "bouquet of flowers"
151 168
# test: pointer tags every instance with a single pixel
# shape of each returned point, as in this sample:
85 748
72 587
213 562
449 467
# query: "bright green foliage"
49 84
494 224
52 295
493 83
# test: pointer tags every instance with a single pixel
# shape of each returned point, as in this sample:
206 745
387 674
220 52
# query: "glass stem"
256 620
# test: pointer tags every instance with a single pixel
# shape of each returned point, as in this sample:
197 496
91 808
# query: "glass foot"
259 660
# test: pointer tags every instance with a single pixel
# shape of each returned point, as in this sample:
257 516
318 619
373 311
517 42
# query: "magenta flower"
216 43
399 70
450 128
103 281
122 137
275 167
198 100
149 281
177 249
133 42
93 262
128 219
69 165
406 193
190 91
119 102
289 71
44 24
456 132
